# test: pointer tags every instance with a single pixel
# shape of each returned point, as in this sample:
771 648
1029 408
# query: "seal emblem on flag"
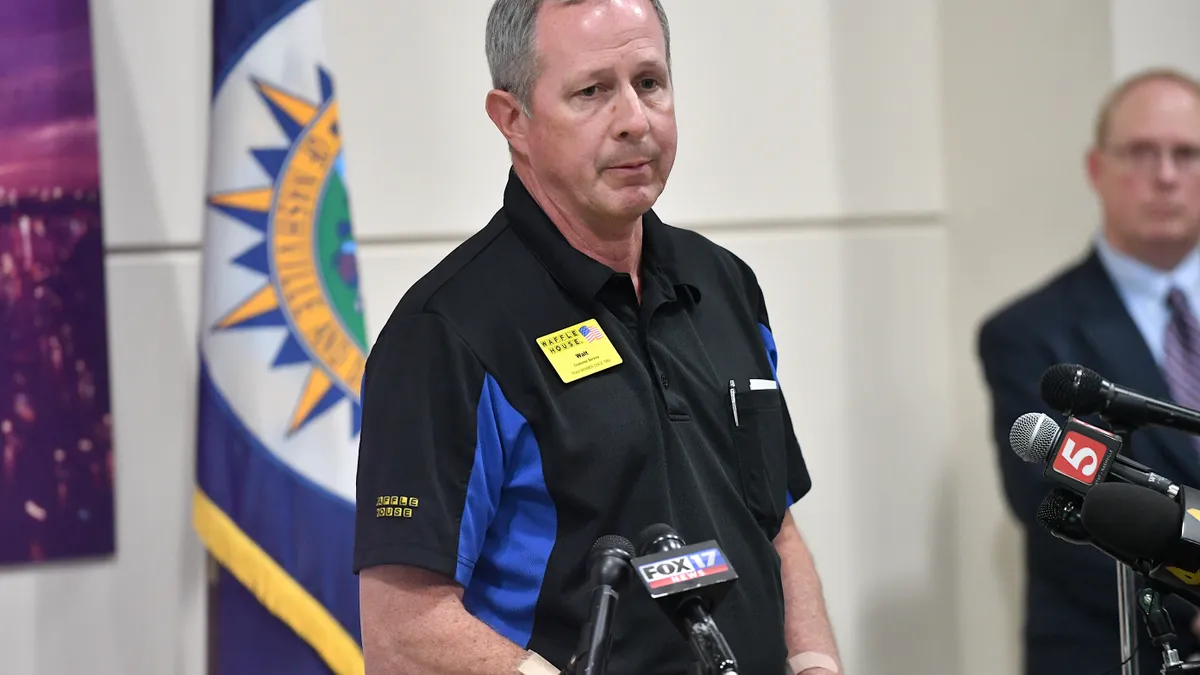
282 351
306 254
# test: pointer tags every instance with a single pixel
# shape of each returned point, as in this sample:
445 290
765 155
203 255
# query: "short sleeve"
798 480
418 448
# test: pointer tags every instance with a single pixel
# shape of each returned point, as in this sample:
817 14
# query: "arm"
419 531
811 646
807 631
413 622
806 624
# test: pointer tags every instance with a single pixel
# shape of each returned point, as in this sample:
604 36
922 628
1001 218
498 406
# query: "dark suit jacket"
1071 621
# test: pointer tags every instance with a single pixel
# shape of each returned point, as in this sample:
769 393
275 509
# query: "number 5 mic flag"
282 351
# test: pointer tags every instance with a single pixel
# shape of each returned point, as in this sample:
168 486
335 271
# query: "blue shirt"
1144 289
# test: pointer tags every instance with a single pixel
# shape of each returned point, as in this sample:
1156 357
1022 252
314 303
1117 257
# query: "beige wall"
1021 80
891 168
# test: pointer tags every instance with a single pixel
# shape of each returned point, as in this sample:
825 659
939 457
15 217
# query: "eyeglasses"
1147 157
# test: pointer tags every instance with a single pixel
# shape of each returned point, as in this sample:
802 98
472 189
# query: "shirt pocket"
759 439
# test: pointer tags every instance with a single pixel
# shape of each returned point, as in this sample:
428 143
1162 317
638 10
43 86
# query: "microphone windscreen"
1068 386
651 535
614 541
1032 437
1132 519
1055 510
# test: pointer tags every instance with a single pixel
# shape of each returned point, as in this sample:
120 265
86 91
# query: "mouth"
1165 211
631 166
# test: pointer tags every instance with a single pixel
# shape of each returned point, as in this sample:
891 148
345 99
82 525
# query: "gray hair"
511 49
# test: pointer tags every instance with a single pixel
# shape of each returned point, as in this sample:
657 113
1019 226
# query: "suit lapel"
1122 357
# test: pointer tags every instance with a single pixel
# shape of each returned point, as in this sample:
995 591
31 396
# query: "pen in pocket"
733 401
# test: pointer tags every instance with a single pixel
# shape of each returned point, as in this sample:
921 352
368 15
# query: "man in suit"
1127 311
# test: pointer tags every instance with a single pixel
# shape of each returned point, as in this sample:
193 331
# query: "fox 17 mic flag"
282 352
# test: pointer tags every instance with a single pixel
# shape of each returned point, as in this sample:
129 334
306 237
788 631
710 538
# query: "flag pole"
213 575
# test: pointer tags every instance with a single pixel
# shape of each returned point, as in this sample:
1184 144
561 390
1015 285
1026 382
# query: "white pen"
733 401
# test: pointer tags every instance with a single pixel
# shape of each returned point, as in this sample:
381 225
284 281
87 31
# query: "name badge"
579 351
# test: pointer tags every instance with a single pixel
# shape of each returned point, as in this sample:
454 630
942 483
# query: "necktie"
1181 358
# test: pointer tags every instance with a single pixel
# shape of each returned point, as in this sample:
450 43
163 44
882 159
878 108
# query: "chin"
1174 231
633 201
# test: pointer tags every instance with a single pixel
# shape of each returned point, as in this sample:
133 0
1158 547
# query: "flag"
590 334
282 351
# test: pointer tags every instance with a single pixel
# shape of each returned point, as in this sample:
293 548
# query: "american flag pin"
591 334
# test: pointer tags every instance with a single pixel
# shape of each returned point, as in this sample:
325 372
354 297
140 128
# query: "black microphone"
1075 390
1059 513
1081 457
608 570
688 582
1149 531
1162 536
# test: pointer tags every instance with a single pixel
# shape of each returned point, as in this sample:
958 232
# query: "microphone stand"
1158 624
716 658
585 661
1126 595
1127 589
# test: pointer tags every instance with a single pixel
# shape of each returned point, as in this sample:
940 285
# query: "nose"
629 115
1168 170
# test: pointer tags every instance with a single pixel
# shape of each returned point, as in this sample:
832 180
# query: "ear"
1093 161
505 112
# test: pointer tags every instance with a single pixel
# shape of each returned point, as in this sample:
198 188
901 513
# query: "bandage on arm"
534 664
809 660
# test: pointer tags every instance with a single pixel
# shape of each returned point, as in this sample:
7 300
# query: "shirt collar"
580 274
1145 281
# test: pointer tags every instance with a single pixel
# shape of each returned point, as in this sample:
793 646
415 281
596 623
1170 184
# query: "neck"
1165 256
616 244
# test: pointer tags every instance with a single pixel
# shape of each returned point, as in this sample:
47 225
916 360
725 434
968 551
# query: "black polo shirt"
480 462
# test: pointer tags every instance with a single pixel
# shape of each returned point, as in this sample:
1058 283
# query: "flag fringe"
274 587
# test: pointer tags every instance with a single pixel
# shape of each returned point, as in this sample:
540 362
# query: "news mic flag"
1084 456
282 352
1077 457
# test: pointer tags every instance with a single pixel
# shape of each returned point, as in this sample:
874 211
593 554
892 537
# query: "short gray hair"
511 49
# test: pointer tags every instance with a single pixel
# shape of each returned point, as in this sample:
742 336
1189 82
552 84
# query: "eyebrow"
643 65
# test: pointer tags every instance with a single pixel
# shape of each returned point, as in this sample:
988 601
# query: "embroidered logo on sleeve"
394 506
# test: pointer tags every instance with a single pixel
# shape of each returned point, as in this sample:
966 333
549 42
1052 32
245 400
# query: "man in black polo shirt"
576 369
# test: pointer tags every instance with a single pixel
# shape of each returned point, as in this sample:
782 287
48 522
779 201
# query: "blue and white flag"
282 351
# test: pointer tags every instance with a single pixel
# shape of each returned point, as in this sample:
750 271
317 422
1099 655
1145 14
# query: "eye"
649 83
1187 154
588 92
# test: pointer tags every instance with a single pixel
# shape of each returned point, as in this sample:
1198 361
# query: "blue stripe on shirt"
509 522
773 355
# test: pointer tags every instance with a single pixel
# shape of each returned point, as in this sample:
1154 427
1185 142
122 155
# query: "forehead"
1157 109
596 32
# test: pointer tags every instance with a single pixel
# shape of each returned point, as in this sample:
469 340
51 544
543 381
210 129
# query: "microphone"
1083 456
1149 531
688 582
608 570
1075 390
1059 513
1163 536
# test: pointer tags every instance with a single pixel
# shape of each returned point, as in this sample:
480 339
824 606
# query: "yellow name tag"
579 351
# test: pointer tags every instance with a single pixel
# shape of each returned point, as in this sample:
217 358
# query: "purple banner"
56 462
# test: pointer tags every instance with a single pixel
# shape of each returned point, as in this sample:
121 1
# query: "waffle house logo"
305 254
